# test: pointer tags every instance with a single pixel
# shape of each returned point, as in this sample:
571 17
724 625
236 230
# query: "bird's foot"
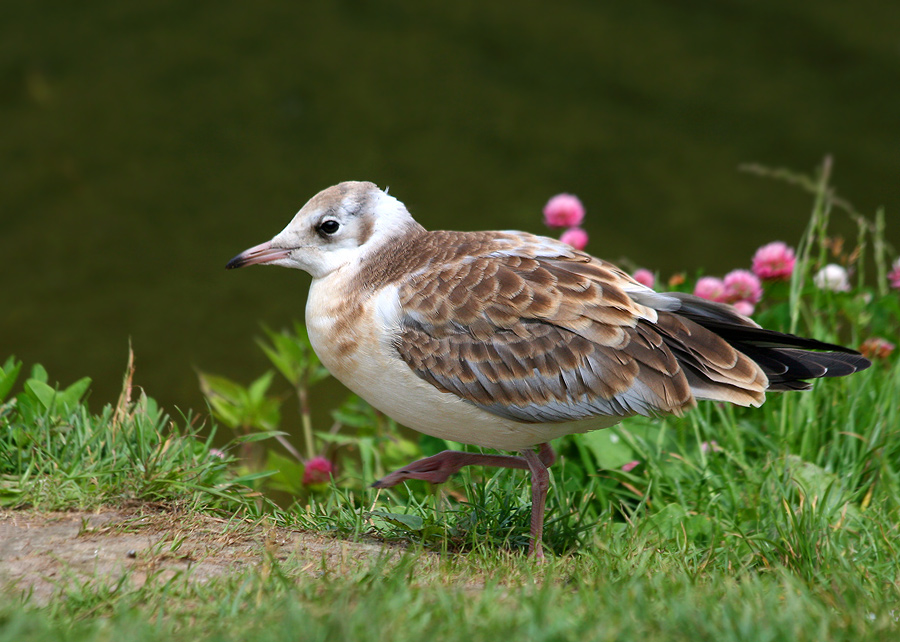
435 469
438 468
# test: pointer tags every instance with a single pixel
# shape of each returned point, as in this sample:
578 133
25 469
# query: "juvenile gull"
508 340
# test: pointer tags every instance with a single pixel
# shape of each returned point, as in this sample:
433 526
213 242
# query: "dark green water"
146 143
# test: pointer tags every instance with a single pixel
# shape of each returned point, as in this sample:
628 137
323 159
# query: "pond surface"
146 143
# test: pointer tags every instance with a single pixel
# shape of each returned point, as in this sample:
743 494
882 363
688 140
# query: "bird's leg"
438 468
540 482
546 454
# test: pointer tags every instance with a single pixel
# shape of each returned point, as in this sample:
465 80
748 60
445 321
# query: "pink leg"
438 468
540 483
546 454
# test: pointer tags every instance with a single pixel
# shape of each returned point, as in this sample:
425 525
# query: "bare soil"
41 552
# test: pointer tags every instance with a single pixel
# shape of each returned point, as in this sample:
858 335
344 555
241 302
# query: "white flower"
832 277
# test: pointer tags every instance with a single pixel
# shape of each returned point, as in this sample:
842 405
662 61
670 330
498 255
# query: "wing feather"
545 336
532 330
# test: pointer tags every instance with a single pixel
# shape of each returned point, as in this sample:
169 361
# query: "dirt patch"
41 552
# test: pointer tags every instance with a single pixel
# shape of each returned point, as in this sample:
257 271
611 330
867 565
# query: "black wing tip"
796 367
842 364
853 361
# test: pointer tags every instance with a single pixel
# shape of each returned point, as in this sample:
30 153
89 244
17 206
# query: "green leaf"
243 479
148 406
213 385
69 397
356 413
287 472
433 445
38 373
608 449
259 387
293 356
816 482
336 438
668 520
407 522
41 392
8 375
288 359
253 437
239 407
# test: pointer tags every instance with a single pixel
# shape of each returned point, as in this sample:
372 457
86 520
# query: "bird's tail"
786 359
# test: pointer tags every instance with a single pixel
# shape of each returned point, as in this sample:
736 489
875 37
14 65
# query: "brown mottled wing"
530 330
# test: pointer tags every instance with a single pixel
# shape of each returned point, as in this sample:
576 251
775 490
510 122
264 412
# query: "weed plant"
55 454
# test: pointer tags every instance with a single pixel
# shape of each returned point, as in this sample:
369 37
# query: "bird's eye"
328 227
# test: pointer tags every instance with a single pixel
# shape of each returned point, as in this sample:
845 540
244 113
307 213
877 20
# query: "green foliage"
293 356
368 443
55 453
38 398
375 447
629 588
242 408
8 375
605 448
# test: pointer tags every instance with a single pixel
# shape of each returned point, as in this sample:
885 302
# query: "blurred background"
146 143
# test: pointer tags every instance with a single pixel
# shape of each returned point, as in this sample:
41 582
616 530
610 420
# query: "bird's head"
337 227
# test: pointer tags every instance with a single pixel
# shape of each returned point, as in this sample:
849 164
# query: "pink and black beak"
262 253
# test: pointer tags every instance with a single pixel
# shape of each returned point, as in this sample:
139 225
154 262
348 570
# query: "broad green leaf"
401 450
609 450
259 387
48 397
225 413
239 407
148 406
818 483
409 522
41 392
219 386
669 519
287 472
433 445
293 356
39 373
8 375
71 395
355 413
288 361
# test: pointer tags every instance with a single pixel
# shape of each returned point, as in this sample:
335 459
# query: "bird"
508 340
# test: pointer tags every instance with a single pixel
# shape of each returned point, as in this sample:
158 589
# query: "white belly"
375 372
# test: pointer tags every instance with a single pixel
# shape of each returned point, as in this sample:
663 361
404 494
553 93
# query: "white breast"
374 371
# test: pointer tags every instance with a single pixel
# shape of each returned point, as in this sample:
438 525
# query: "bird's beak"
262 253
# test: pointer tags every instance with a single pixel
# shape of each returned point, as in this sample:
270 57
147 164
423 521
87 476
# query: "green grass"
779 523
56 455
630 589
